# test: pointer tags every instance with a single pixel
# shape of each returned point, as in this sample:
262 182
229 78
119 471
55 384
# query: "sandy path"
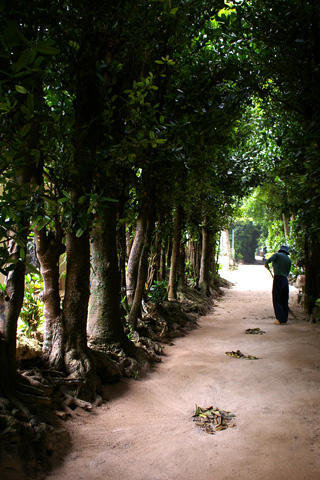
145 430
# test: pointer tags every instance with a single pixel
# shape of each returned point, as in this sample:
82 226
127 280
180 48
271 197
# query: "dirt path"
145 430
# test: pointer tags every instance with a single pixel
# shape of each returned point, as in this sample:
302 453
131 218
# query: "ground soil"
145 430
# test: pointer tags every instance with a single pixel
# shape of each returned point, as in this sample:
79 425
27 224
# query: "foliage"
246 241
167 103
158 291
31 316
190 274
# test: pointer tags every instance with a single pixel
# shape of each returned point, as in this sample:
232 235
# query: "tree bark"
196 261
10 306
128 241
172 287
181 278
157 255
86 136
228 248
213 254
75 305
163 263
134 258
193 253
105 324
30 173
122 248
312 260
14 292
142 274
49 247
205 274
286 227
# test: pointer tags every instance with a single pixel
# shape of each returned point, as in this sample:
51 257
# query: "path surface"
145 430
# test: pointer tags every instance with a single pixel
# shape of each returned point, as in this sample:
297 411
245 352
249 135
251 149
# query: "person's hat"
284 249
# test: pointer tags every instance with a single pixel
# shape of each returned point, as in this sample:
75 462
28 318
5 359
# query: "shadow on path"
146 432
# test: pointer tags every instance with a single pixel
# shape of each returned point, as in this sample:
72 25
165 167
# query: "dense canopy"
131 136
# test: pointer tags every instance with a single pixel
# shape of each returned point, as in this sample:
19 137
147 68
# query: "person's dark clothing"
280 291
280 298
281 263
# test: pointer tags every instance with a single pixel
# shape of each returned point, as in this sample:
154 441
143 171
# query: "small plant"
31 315
192 282
124 305
129 331
158 291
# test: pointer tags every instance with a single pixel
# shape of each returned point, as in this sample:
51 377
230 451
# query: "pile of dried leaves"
239 354
212 420
255 331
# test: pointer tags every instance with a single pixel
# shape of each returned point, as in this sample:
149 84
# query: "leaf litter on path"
255 331
212 420
239 354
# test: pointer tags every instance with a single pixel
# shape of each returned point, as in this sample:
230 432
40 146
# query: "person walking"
280 290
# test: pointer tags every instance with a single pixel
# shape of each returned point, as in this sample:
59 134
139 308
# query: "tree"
285 51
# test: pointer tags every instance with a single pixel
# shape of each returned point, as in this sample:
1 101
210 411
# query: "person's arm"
269 260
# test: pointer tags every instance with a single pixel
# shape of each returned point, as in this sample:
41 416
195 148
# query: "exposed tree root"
30 419
28 424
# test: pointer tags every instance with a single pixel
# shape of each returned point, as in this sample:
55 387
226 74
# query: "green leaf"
25 129
47 49
21 89
25 59
20 243
32 268
25 110
79 232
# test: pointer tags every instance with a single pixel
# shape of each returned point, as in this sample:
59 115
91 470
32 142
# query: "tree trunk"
286 227
205 279
157 255
169 254
75 305
172 287
122 255
142 274
181 278
86 137
10 306
228 248
163 263
128 241
196 266
14 293
134 258
312 259
213 254
192 258
49 248
105 323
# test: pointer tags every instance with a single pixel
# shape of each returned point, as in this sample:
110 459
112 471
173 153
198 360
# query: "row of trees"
128 133
119 124
285 52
